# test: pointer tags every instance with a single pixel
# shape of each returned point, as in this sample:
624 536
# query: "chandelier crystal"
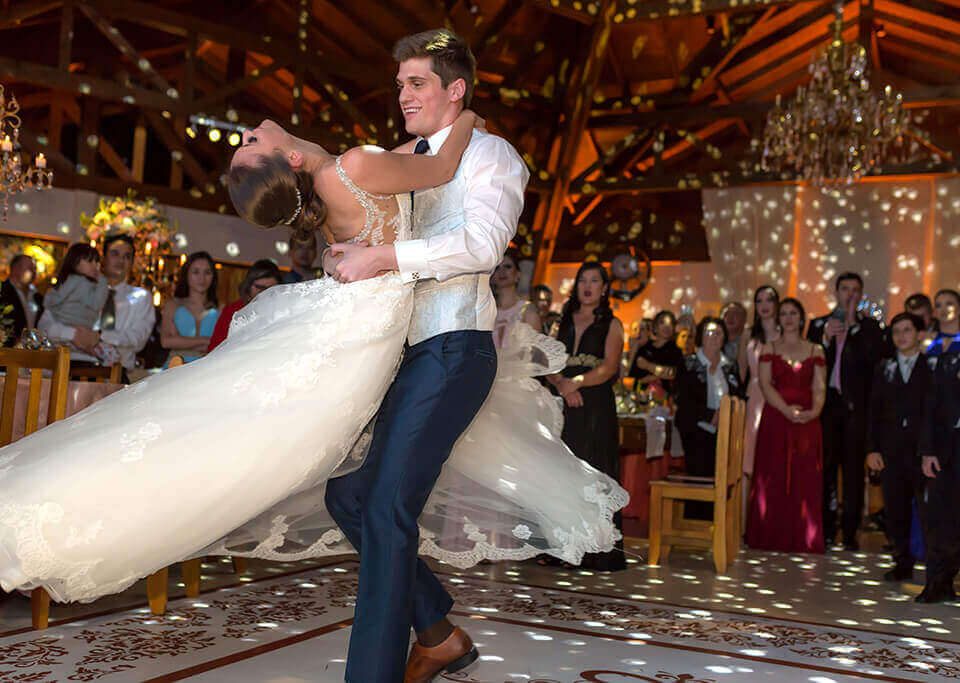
836 129
14 177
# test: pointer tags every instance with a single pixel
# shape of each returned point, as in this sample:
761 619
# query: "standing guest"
18 291
510 307
542 297
686 334
659 359
898 395
188 320
80 293
641 332
127 317
765 330
303 255
853 345
947 340
919 304
262 275
785 499
940 451
704 379
734 317
593 337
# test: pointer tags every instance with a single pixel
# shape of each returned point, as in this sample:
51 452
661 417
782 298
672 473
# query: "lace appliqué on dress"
376 217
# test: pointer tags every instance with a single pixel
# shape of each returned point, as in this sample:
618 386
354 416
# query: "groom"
462 230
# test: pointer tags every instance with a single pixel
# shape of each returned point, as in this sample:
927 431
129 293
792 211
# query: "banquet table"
638 467
79 396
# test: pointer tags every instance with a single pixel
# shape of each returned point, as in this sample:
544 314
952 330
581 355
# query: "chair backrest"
738 424
723 446
13 360
112 374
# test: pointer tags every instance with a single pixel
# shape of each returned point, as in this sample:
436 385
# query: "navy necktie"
422 148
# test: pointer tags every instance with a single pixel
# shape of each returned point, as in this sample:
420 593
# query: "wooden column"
577 113
139 151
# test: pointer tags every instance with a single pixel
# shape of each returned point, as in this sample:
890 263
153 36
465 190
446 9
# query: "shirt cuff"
707 427
412 260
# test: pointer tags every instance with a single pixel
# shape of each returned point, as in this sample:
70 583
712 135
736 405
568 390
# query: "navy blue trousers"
441 385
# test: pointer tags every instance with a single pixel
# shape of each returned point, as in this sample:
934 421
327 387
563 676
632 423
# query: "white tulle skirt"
230 455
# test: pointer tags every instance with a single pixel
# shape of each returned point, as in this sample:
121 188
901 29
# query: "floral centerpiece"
144 221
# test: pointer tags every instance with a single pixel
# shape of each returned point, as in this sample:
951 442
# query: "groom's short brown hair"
449 53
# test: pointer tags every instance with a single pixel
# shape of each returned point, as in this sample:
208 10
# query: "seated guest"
19 293
659 359
947 340
734 316
686 334
262 275
786 509
127 317
940 450
303 255
897 397
188 320
704 379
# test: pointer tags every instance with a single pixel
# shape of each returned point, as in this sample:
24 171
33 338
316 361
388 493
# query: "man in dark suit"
853 344
940 449
18 292
898 399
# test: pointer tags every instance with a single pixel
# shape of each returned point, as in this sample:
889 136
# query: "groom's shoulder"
484 142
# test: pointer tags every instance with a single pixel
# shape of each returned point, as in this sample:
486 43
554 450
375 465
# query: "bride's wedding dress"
230 454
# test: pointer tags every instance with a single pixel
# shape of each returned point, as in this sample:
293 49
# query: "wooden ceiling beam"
904 11
71 108
15 14
630 11
583 83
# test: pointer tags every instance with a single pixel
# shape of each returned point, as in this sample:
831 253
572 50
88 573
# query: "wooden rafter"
22 11
583 85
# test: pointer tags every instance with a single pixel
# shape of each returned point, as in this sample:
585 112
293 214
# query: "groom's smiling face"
427 106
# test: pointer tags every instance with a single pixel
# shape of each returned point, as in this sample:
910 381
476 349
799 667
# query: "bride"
230 454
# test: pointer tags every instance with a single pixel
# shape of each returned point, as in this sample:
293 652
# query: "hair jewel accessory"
299 208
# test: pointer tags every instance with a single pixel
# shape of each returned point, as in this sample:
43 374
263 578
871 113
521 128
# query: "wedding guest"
853 344
785 498
940 450
542 297
593 337
18 292
303 256
641 332
659 359
510 306
898 395
765 329
704 379
947 340
127 317
188 320
919 304
79 294
262 275
734 317
686 333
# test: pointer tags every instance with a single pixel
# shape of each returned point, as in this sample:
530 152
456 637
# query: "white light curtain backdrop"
902 236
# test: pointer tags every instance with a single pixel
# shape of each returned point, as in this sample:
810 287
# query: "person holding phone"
853 344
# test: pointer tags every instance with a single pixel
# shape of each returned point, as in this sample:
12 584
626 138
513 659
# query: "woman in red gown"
785 498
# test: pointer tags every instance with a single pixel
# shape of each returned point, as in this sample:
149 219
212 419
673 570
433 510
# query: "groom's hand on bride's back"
361 262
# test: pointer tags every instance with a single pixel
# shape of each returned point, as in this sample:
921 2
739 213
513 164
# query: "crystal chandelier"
837 128
14 178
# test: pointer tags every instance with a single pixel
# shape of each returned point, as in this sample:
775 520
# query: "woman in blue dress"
189 318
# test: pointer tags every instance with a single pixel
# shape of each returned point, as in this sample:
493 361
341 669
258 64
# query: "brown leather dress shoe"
454 654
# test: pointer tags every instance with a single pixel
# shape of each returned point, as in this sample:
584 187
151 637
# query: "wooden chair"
58 363
667 496
112 374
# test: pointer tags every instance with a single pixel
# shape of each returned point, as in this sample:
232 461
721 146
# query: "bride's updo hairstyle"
270 193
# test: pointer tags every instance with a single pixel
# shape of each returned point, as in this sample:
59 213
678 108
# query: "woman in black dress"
594 339
660 359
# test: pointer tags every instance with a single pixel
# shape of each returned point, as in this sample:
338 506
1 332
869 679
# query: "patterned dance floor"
774 618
